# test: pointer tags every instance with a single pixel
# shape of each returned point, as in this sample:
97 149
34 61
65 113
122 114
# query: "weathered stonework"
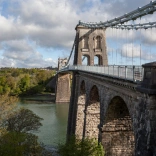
92 120
121 117
80 116
90 43
117 131
119 113
63 90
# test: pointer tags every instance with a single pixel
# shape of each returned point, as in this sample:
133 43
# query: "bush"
19 144
77 147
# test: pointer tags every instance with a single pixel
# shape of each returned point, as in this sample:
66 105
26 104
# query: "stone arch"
117 131
80 110
93 114
86 60
98 60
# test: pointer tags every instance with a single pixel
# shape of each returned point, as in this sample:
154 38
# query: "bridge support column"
63 89
146 130
117 132
72 115
145 126
151 126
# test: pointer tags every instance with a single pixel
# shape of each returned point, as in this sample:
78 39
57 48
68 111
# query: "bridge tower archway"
86 60
80 111
98 60
92 118
117 131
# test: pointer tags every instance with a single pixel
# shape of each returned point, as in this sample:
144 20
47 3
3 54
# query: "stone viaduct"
120 114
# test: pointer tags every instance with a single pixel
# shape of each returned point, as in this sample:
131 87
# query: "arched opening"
117 131
80 111
86 60
98 42
97 60
93 114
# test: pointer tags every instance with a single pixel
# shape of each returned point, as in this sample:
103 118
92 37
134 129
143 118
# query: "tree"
15 139
23 120
19 144
24 83
15 72
1 89
7 104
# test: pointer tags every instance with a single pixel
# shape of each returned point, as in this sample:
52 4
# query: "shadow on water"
55 118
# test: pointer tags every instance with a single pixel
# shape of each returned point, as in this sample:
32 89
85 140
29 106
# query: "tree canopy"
21 81
16 125
23 120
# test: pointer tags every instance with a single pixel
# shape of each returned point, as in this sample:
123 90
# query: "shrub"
19 144
84 147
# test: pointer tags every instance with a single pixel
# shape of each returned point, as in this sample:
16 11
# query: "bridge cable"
116 47
136 26
113 49
83 58
140 44
122 54
133 15
126 46
132 46
150 46
72 48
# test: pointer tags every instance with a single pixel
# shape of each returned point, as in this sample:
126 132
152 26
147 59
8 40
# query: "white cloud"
20 53
137 51
51 23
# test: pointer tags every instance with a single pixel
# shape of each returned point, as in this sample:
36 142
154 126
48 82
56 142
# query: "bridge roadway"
130 73
114 104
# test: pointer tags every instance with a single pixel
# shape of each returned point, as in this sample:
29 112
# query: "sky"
35 33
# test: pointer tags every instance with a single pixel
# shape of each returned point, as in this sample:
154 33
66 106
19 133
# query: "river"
55 118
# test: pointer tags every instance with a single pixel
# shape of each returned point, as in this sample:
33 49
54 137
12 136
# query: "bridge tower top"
90 43
61 62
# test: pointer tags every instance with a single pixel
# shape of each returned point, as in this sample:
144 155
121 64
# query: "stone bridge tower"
90 43
63 84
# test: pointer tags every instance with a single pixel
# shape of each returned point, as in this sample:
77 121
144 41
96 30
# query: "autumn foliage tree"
16 125
7 104
19 144
23 120
24 81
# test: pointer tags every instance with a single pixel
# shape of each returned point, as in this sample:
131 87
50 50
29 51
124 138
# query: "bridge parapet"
131 73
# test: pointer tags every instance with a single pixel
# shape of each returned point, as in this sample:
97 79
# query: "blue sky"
34 33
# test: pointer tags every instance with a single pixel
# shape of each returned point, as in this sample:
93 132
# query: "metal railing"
132 73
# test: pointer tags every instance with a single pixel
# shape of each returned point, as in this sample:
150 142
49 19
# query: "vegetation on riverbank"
81 147
16 126
21 81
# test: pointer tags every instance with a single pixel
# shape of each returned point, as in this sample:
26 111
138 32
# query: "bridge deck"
131 73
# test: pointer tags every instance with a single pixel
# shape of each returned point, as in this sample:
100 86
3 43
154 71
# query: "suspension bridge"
113 91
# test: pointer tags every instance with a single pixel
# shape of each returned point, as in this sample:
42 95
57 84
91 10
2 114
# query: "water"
55 117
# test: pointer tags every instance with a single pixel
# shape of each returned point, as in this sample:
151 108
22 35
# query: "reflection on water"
55 117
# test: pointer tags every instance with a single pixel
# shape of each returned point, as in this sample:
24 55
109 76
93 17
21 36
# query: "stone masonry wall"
80 116
131 133
117 132
63 90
